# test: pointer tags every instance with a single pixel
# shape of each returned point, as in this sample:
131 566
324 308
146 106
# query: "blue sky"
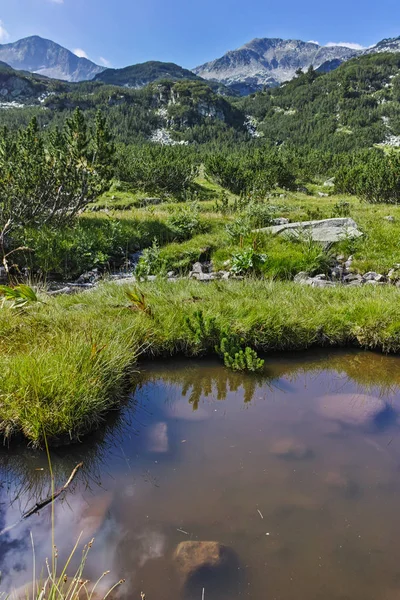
123 32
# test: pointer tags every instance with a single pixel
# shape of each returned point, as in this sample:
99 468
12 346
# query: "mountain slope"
354 106
137 76
37 55
268 62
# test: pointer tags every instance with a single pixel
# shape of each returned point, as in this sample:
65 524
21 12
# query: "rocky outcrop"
325 230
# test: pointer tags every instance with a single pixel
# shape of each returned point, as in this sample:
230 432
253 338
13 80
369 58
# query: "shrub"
157 169
246 261
184 221
259 214
150 263
235 358
374 176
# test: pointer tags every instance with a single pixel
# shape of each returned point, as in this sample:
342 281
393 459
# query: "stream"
295 471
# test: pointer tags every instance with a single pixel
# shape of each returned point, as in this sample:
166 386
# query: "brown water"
297 471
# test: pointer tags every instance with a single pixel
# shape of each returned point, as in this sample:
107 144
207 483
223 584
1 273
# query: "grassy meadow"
67 361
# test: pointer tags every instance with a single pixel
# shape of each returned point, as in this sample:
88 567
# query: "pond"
295 473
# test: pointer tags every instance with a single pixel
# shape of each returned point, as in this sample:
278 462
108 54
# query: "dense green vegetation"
85 345
82 187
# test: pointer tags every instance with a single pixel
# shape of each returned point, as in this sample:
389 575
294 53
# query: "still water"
297 471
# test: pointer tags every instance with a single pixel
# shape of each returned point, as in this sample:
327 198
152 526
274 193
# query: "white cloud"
57 1
104 62
4 35
351 45
79 52
313 42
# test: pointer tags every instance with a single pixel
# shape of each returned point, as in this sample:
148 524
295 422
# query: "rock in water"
325 230
351 409
209 565
290 448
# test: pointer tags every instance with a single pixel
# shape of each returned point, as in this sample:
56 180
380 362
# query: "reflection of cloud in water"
151 545
351 409
185 412
70 520
158 438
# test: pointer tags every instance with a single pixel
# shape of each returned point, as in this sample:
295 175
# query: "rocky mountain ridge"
268 62
45 57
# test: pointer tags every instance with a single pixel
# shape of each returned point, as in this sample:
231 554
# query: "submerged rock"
290 448
205 564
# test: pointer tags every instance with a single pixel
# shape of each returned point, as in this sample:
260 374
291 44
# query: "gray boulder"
325 231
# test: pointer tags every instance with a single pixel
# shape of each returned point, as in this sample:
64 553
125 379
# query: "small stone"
352 277
301 277
322 276
370 276
341 258
280 221
322 195
374 282
321 283
337 273
197 268
170 274
389 218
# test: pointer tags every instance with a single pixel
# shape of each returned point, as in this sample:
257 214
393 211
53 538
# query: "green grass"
66 363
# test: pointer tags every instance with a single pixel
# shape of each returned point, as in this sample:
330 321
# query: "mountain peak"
269 62
45 57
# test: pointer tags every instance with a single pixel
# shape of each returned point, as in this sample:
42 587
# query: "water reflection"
295 471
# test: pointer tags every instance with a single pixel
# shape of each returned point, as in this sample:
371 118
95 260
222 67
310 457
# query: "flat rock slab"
325 231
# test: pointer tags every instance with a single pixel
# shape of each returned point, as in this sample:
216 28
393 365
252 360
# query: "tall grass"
67 362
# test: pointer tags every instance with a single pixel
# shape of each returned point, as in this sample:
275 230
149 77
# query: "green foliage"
341 209
247 261
340 111
150 263
18 296
255 172
238 229
185 222
235 358
259 214
373 176
137 301
203 329
162 170
47 181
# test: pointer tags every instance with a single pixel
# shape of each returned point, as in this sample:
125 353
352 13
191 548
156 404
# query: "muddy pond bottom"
293 475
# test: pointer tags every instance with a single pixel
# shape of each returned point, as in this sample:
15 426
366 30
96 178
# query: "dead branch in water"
39 505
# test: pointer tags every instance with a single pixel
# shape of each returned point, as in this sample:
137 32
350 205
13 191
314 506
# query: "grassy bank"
67 362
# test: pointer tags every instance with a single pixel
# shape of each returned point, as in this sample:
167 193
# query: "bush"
374 176
150 263
184 221
157 169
